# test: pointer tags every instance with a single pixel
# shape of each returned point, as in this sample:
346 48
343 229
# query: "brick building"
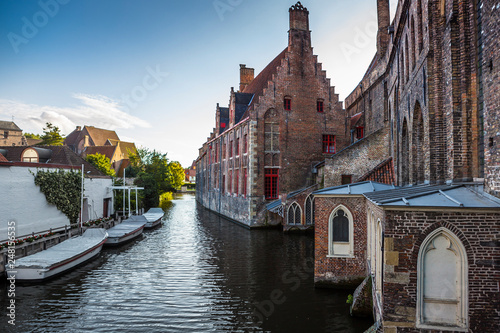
428 106
11 134
277 126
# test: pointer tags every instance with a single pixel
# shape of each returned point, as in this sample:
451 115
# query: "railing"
51 230
377 306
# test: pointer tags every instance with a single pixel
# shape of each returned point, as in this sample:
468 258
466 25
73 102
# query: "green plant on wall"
62 189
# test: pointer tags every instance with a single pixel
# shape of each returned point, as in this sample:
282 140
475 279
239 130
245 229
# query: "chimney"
383 15
246 76
299 26
86 142
78 128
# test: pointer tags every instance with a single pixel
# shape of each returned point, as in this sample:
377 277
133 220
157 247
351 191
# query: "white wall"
96 190
21 201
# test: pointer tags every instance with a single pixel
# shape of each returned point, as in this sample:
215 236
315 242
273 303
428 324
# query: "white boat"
154 217
59 258
124 232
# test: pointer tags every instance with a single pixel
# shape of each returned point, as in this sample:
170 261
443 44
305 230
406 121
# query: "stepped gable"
257 86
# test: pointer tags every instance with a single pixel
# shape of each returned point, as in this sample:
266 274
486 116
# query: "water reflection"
196 273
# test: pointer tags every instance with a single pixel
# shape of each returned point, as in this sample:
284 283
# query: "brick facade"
290 141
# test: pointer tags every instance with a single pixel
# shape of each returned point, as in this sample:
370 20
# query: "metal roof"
355 188
458 195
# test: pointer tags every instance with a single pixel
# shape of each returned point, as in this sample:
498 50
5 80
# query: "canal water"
196 273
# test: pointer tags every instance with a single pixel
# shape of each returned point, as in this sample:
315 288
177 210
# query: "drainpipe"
220 169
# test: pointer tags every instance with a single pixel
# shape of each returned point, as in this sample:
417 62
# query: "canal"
196 273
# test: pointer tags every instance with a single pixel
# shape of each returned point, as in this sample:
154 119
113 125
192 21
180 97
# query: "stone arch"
405 153
294 215
417 158
420 31
442 281
340 239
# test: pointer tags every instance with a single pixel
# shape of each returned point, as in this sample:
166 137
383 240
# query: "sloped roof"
224 119
32 142
382 173
355 188
3 159
258 84
107 151
99 136
241 103
9 125
72 138
355 118
438 196
61 155
124 147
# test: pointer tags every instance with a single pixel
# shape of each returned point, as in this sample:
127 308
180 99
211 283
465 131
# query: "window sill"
347 256
442 328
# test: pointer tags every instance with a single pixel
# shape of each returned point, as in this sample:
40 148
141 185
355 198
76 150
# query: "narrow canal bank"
196 273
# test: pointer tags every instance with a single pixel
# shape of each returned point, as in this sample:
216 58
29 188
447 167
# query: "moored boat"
124 232
154 217
60 258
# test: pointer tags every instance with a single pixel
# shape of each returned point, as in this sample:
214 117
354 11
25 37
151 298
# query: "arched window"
418 160
407 60
420 32
340 233
309 207
379 257
442 282
404 166
413 44
294 214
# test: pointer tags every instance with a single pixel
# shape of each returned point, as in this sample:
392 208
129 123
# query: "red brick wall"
340 272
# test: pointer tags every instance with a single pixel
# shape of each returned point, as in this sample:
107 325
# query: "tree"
32 136
51 136
175 175
101 162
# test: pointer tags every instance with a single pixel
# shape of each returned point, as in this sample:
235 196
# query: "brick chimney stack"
299 26
383 15
246 76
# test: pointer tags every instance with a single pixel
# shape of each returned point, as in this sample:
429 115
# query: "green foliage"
51 136
101 162
62 189
118 197
156 174
32 136
350 299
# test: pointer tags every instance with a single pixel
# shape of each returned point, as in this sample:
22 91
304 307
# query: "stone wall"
357 159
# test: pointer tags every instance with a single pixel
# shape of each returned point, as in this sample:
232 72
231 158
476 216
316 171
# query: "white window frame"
294 212
341 249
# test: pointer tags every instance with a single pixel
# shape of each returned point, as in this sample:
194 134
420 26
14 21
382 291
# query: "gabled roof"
124 147
61 155
355 189
438 196
241 104
9 125
32 142
223 119
99 136
72 138
107 151
382 173
355 119
256 87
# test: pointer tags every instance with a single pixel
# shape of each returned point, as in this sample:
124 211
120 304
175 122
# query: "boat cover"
154 214
124 228
64 250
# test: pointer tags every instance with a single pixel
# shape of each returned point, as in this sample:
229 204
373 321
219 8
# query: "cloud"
99 111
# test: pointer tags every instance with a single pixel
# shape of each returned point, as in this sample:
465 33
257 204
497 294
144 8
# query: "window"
272 136
216 152
294 216
271 183
5 134
237 148
237 182
230 183
346 179
223 125
319 106
245 179
287 103
360 132
329 144
29 155
309 207
340 233
442 282
223 187
245 144
231 149
224 152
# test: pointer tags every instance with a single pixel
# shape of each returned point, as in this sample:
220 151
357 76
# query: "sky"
154 70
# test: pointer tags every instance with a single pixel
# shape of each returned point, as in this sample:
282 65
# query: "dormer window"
287 104
360 132
30 155
319 106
